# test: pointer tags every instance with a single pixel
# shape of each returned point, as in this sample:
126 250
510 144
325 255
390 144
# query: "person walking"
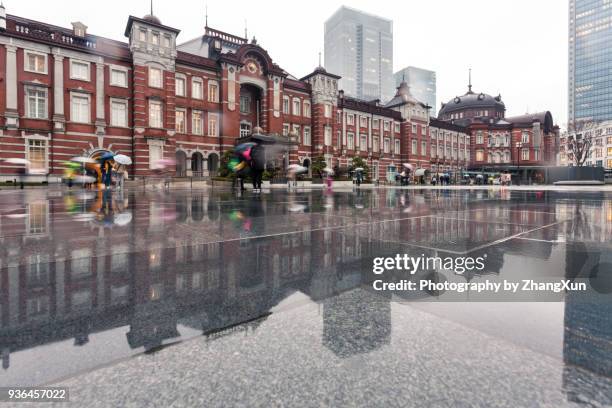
121 174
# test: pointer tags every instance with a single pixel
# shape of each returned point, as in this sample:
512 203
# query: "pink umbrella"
163 163
408 166
19 161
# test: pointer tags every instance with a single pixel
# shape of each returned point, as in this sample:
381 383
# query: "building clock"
251 67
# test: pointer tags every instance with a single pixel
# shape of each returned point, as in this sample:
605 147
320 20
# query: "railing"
44 33
225 36
198 173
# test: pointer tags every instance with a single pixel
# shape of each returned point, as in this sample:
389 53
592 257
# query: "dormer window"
142 35
166 41
155 39
79 29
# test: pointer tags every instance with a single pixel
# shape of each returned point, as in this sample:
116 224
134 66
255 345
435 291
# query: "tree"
579 143
360 162
317 166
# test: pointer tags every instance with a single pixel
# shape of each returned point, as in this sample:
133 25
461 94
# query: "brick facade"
191 102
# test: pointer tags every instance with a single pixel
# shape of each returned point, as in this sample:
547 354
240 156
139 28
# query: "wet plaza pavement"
152 298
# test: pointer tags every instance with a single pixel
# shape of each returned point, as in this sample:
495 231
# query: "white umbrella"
328 170
408 166
15 160
123 219
297 169
297 207
84 160
359 169
122 159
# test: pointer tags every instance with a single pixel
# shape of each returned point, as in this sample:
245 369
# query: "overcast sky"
515 47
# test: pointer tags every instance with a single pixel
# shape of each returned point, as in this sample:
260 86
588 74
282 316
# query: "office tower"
422 83
590 62
359 48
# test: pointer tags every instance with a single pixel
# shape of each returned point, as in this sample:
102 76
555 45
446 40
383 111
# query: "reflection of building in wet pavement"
587 340
185 261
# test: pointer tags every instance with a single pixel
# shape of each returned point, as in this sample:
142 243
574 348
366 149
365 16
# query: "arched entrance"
181 163
250 108
197 169
213 164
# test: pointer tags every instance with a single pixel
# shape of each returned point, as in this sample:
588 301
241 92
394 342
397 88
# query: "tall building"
590 62
359 48
422 83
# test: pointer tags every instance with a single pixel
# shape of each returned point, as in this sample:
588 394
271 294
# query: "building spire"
205 14
470 82
320 58
151 7
246 33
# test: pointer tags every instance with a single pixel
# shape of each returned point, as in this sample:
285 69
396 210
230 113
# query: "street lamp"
519 145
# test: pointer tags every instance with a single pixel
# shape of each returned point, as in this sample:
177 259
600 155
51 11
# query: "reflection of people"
106 173
120 172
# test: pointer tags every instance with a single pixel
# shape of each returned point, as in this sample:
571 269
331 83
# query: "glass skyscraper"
359 48
590 61
422 83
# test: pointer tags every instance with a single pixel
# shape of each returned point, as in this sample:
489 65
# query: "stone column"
59 118
100 122
12 116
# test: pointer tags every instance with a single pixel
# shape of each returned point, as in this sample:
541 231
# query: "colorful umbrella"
84 160
244 146
71 165
106 156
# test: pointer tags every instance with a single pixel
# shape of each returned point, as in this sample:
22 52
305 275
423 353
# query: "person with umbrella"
359 176
328 179
106 168
121 162
258 165
21 169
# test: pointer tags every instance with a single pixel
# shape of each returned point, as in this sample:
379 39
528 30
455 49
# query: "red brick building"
521 145
65 92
